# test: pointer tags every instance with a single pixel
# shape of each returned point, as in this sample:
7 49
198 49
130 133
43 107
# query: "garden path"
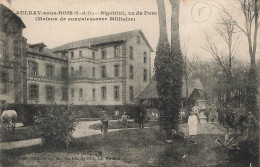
83 130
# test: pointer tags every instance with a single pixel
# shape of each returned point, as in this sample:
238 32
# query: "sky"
198 19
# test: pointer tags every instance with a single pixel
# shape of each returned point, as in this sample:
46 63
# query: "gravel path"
206 128
83 130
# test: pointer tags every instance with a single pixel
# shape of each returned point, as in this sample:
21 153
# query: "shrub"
29 112
247 125
55 125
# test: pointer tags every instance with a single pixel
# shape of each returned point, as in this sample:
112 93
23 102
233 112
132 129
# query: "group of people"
193 120
124 119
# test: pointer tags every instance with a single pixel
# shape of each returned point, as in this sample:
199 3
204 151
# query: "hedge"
26 113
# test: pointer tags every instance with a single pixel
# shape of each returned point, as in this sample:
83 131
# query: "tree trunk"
187 93
175 34
162 21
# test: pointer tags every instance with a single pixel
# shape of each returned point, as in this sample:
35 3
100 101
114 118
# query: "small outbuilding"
196 94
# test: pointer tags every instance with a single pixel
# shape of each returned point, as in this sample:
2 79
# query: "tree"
250 10
188 67
169 69
226 30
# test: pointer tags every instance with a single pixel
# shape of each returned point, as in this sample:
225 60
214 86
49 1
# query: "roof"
46 52
38 44
150 91
101 40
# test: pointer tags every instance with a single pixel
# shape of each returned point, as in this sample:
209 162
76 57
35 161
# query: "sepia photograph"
129 83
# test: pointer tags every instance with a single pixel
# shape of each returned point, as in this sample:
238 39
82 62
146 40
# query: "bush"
247 126
249 150
55 125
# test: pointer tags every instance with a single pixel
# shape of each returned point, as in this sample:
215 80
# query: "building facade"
47 80
107 70
12 59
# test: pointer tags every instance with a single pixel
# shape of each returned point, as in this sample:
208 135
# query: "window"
131 93
116 51
34 92
103 93
145 54
64 96
2 49
72 94
145 75
103 53
80 70
131 57
116 70
72 71
93 55
64 72
40 49
80 94
49 93
123 50
93 94
131 72
103 72
138 40
49 70
63 54
33 68
116 92
80 54
93 72
5 80
72 55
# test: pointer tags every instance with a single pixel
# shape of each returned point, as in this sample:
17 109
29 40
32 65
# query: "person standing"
117 115
125 120
212 114
196 109
192 122
141 119
104 126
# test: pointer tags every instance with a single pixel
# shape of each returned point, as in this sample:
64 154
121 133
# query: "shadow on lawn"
23 133
120 125
143 147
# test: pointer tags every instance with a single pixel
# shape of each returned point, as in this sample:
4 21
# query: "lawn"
126 148
23 133
119 125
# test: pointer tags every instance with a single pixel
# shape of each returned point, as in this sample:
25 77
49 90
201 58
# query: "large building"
12 59
107 70
47 80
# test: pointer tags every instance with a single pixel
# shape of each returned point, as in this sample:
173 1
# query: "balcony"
46 79
85 59
96 81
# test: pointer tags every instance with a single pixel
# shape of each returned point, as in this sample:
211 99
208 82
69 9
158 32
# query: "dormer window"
40 49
